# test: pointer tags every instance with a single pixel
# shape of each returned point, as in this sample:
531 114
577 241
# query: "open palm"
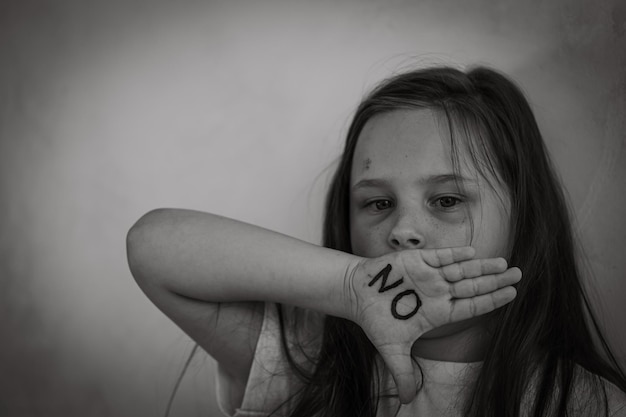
400 296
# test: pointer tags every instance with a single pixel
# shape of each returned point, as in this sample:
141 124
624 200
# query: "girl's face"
404 192
404 195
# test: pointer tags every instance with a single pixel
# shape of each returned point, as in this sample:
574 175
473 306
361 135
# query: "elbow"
134 240
140 243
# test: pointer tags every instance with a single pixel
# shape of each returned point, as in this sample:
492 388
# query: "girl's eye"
447 202
380 205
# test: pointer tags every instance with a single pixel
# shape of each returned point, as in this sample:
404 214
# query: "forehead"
400 141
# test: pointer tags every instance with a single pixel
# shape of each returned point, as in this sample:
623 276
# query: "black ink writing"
397 298
384 274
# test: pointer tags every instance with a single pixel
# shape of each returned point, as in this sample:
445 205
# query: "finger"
446 256
485 284
399 362
466 308
473 268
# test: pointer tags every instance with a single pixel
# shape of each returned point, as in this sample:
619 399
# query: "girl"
411 307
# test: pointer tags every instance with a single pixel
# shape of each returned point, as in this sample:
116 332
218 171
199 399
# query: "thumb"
398 360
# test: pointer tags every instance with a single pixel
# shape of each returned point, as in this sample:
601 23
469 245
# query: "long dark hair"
539 340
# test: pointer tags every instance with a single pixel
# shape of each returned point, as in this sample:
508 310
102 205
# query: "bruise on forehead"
366 164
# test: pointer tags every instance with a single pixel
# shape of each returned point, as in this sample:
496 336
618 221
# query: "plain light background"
111 108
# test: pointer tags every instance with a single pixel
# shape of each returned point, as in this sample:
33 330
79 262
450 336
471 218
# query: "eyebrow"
432 179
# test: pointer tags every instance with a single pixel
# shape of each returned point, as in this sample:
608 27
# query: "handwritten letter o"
397 298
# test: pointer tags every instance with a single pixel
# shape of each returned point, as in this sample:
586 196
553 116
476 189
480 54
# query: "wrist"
319 279
348 300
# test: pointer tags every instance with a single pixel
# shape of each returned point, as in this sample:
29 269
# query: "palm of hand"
401 296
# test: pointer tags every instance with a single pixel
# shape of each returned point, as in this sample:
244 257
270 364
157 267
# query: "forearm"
215 259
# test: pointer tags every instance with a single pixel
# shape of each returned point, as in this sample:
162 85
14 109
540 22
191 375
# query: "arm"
209 275
210 258
190 263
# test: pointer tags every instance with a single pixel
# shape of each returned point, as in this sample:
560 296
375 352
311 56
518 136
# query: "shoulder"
616 399
272 380
591 393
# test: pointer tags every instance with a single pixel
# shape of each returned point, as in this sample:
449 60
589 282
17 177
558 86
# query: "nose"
407 232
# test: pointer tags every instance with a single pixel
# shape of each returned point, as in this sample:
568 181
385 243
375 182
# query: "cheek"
443 234
491 240
368 242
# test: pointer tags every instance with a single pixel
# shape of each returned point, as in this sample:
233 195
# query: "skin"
404 196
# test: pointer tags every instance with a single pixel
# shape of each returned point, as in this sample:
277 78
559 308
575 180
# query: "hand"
398 297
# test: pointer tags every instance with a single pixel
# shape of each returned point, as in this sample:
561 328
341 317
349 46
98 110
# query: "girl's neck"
460 342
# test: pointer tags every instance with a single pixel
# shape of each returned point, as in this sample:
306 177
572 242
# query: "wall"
111 108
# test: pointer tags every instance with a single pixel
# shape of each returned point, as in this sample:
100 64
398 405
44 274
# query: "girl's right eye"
379 205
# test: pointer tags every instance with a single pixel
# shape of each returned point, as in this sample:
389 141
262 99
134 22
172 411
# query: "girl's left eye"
447 202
